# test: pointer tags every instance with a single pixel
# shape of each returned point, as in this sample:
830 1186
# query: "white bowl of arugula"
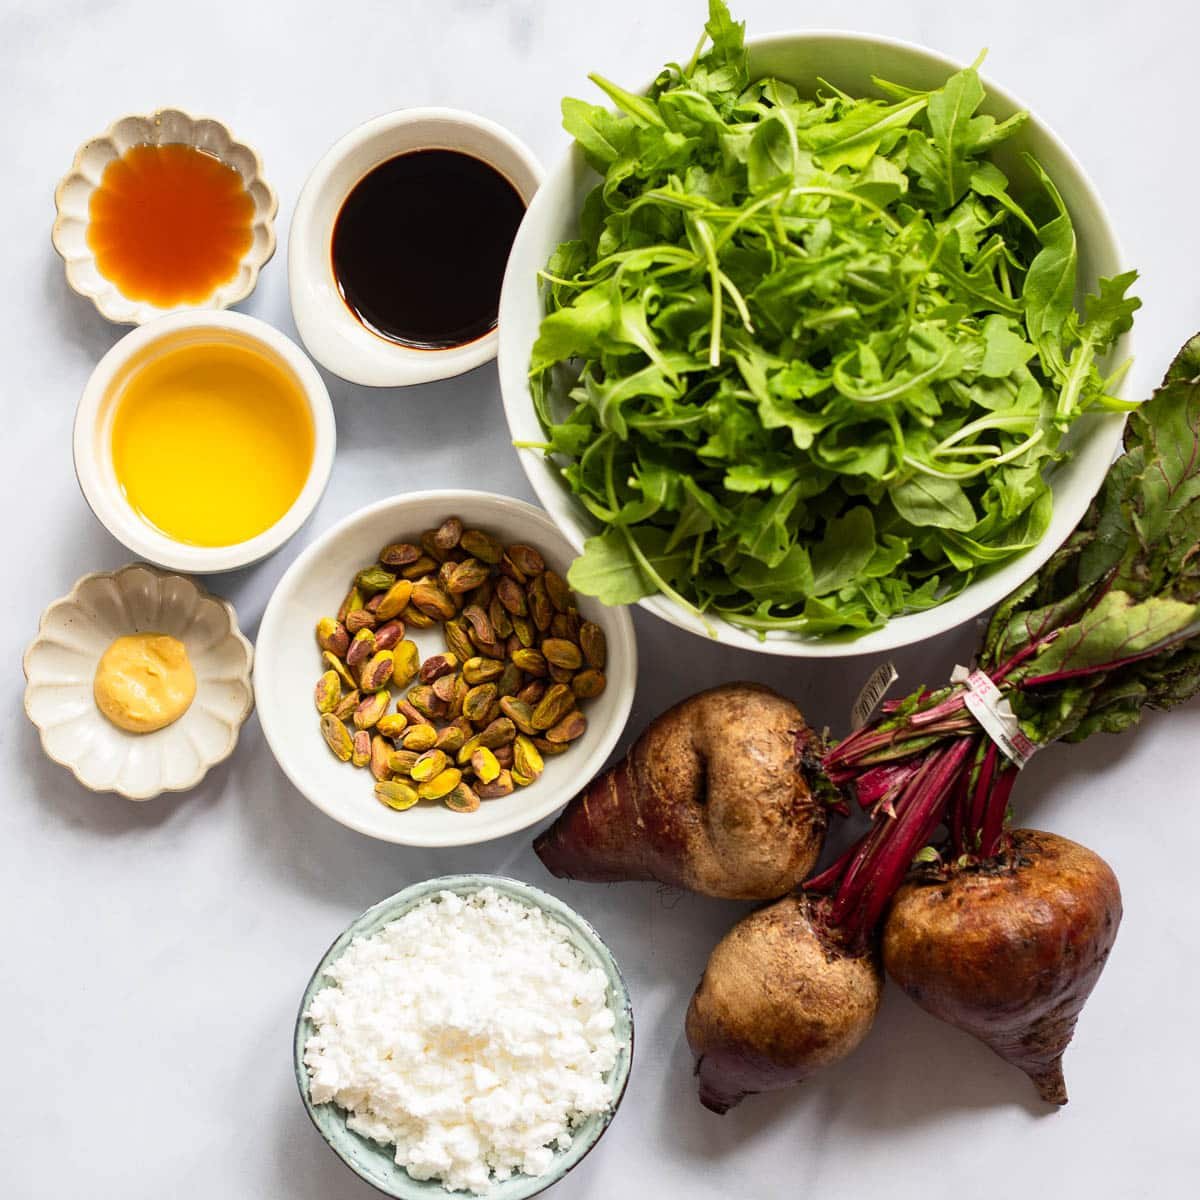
797 344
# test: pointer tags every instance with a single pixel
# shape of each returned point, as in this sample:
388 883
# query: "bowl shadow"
107 813
451 417
911 1071
306 1168
76 318
1051 774
326 859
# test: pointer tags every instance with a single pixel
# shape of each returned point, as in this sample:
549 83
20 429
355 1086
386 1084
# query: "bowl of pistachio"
425 675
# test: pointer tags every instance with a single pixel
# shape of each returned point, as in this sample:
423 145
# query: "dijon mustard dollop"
144 681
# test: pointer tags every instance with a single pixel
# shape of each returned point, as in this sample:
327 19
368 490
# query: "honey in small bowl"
212 442
169 224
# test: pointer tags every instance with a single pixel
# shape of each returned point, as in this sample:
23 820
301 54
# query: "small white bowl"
331 333
60 667
93 437
848 61
288 665
376 1163
167 126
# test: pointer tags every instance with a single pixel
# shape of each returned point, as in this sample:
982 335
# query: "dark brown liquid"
420 244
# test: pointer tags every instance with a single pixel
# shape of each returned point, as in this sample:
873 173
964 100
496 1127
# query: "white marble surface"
154 954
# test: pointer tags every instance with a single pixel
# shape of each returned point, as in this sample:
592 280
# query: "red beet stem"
827 880
873 785
949 707
979 787
915 771
992 833
890 706
1026 652
958 810
858 854
890 848
892 746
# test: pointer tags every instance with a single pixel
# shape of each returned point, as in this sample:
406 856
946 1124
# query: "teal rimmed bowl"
374 1163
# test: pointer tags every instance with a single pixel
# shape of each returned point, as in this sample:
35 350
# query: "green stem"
704 234
972 472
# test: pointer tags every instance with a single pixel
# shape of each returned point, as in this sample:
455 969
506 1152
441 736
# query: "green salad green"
809 357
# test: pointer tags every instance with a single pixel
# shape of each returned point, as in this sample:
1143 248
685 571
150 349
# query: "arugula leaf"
773 152
610 570
1049 291
1109 313
639 110
723 69
844 552
763 528
927 500
1106 316
988 180
809 355
776 475
1005 350
944 161
573 331
854 139
603 137
790 578
608 396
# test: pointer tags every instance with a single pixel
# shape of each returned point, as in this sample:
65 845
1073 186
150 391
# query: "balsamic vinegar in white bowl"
420 245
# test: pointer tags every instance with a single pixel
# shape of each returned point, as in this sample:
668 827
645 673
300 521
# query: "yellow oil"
212 442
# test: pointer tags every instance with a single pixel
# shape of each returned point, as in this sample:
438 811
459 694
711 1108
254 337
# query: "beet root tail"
595 839
1037 1049
719 1092
1049 1081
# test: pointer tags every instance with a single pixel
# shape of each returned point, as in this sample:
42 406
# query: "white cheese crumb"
470 1034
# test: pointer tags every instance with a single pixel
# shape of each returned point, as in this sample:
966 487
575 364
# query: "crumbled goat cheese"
469 1033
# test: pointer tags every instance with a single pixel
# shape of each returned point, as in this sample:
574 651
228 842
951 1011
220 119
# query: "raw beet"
1010 949
778 1001
712 797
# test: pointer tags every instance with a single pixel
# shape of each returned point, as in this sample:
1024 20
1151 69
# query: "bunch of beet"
1002 932
1008 948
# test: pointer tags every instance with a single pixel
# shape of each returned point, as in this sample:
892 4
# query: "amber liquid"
169 224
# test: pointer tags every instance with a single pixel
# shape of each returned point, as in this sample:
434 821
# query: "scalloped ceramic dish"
375 1163
167 126
60 666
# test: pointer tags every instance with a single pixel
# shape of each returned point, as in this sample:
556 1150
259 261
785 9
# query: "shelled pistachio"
476 721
